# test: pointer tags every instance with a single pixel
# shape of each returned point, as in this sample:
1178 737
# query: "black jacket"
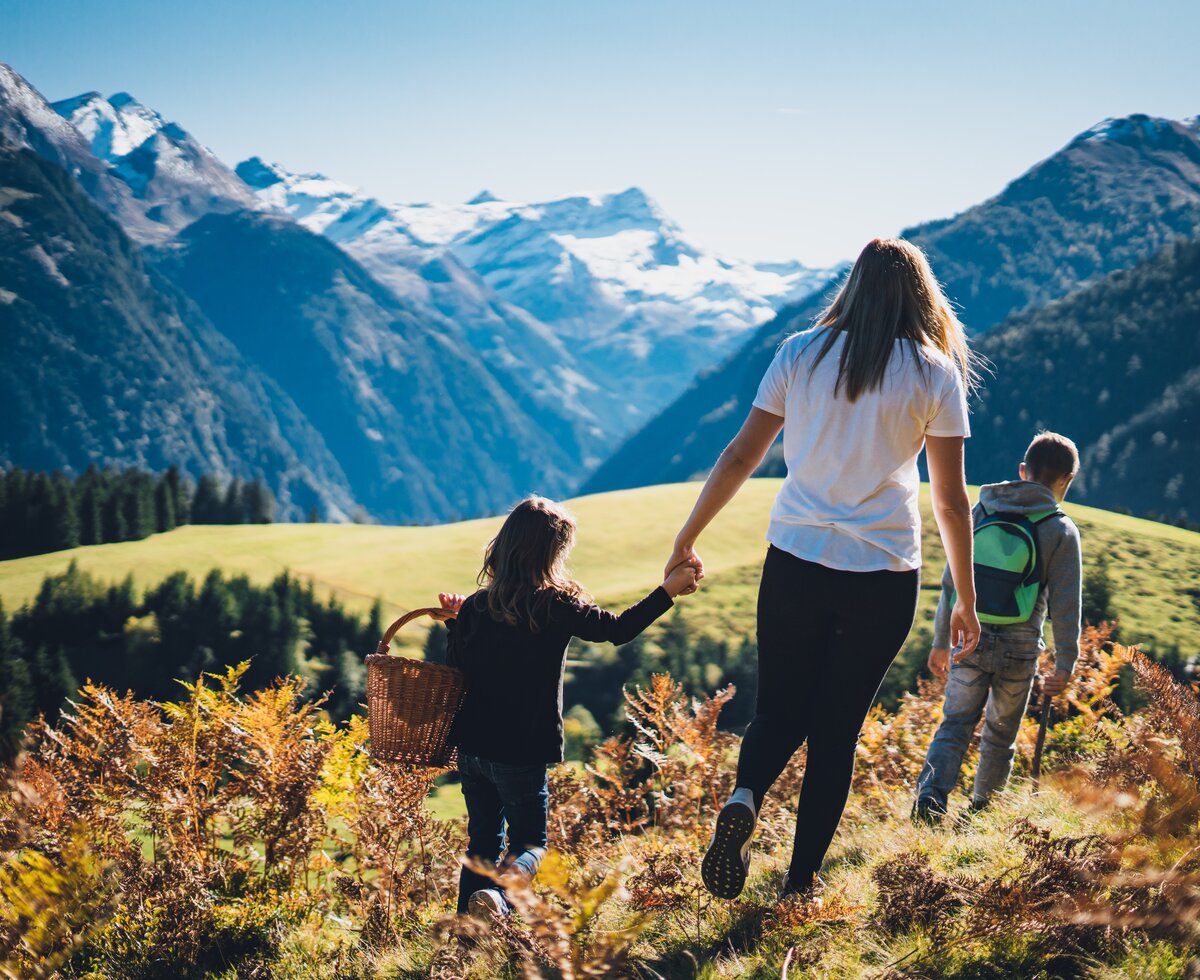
512 709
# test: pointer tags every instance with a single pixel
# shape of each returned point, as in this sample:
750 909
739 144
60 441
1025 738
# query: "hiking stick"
1043 724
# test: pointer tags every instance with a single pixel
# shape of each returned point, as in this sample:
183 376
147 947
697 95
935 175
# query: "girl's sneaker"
487 904
727 861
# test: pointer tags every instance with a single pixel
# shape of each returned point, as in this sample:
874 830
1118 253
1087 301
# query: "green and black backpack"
1008 574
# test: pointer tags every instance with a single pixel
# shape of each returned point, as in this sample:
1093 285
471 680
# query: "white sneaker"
487 904
727 861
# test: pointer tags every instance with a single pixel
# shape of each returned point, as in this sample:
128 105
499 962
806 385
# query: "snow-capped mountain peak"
27 119
113 127
178 178
609 273
328 207
1136 130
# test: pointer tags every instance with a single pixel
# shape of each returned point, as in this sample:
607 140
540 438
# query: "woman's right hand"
681 555
734 467
683 579
964 630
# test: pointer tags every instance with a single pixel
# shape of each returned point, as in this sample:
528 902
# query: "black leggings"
825 639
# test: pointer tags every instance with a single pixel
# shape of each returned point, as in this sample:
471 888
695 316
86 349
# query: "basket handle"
407 618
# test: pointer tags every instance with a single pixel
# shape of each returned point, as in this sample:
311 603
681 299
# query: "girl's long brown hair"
526 562
891 294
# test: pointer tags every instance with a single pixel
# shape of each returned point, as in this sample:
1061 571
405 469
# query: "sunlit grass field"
624 538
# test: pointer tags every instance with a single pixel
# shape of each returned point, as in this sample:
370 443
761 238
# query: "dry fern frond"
1174 706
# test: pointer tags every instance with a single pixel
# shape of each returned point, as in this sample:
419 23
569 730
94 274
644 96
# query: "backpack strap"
1036 520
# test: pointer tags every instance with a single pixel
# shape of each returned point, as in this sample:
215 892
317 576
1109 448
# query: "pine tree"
260 503
181 502
164 505
40 527
173 603
120 604
65 517
206 504
53 681
435 643
133 507
314 515
142 522
91 524
373 630
115 527
348 681
17 704
219 624
14 540
233 509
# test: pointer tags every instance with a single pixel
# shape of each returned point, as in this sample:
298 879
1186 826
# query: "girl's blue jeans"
998 677
502 798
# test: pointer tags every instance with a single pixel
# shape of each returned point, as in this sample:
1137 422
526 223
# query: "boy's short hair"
1050 457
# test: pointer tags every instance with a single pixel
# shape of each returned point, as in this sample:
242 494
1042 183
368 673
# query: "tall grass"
237 833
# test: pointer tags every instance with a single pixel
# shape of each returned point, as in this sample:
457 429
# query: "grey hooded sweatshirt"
1061 566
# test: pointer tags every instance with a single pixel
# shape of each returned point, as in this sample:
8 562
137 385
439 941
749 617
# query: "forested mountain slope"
105 361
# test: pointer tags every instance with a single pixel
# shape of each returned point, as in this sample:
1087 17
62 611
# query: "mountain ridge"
1082 222
1112 195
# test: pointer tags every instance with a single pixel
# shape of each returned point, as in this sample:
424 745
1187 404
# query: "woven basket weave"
411 704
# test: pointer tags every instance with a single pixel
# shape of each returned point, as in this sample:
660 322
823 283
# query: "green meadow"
624 538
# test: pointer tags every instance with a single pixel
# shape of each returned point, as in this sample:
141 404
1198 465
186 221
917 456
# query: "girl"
882 374
510 639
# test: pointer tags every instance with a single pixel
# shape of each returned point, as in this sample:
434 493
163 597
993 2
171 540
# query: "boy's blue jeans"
999 675
497 795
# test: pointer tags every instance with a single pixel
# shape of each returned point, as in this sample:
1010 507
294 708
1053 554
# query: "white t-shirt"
849 500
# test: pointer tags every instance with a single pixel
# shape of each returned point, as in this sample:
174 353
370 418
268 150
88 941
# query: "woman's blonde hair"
891 294
525 563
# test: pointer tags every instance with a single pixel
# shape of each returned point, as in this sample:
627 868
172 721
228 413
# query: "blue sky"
768 130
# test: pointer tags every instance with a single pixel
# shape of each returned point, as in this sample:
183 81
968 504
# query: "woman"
883 373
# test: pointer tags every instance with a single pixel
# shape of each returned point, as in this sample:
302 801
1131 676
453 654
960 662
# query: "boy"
1028 532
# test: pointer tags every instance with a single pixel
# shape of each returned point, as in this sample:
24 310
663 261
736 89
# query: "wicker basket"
411 704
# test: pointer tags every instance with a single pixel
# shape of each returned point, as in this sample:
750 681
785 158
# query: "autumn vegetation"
242 833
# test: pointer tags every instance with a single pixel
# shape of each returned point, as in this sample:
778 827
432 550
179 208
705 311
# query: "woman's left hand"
964 630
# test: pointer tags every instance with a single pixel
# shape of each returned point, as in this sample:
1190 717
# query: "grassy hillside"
624 539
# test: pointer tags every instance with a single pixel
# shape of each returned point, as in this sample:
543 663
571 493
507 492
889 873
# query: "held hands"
451 603
964 630
683 579
684 553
